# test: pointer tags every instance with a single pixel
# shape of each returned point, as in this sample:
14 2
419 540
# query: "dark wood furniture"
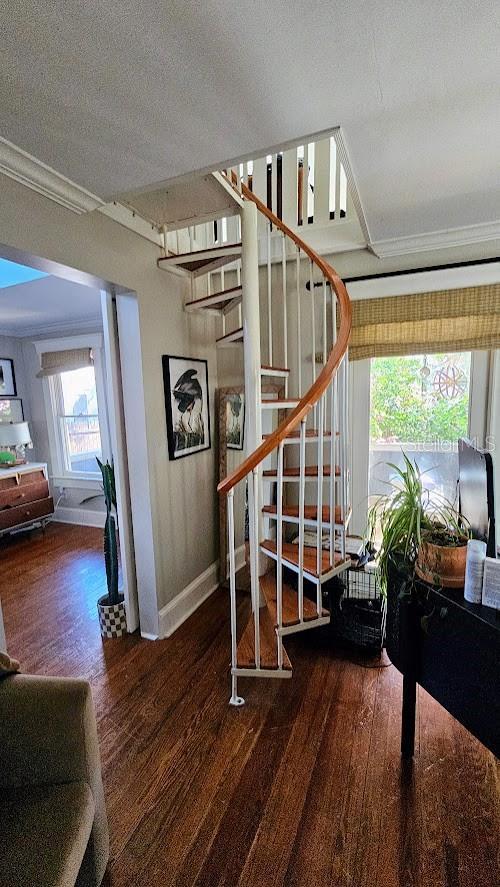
25 498
452 649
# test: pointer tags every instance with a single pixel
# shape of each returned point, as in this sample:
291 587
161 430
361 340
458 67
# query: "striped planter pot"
112 618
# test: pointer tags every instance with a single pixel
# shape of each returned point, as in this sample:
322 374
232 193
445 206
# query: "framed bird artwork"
185 383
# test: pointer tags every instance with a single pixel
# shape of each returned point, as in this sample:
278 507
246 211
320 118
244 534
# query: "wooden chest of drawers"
24 496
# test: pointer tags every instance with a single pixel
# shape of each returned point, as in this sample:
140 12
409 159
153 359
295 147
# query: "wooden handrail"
319 387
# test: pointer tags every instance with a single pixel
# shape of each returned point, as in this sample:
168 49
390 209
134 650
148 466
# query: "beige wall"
182 493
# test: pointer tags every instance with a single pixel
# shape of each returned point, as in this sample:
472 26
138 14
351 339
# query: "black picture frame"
20 413
235 430
4 391
175 367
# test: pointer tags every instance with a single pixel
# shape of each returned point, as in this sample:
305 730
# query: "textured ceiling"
123 95
45 302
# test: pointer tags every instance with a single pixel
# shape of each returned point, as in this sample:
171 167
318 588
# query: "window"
79 419
76 415
419 405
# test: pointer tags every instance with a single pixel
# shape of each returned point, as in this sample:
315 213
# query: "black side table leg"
408 716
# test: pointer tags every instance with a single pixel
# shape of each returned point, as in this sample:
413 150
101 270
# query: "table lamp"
14 438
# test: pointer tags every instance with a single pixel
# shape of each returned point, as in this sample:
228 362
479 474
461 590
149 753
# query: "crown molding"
90 325
436 240
29 171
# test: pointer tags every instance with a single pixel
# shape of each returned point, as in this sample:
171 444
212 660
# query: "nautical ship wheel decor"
450 382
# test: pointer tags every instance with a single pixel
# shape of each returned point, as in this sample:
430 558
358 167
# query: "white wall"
182 493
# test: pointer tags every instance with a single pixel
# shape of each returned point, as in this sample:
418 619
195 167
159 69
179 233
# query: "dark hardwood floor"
302 786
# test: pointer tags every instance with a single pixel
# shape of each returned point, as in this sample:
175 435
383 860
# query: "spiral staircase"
295 477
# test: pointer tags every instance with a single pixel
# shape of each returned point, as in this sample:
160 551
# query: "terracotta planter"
112 618
442 565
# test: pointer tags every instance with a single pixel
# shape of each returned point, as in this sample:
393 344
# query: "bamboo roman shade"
54 362
448 320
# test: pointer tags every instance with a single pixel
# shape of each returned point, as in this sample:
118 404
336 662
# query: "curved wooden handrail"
319 387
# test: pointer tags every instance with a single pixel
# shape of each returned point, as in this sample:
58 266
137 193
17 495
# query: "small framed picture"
235 421
7 378
11 409
185 382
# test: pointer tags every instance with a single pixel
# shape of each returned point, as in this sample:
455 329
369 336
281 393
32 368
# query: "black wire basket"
359 612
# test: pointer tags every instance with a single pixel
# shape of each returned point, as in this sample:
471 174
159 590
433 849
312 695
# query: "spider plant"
407 516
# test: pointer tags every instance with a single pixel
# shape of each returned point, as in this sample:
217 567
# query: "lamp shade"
14 434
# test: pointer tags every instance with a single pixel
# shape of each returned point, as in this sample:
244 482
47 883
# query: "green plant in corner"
409 519
401 517
110 541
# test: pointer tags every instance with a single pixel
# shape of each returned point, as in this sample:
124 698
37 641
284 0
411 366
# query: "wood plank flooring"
302 787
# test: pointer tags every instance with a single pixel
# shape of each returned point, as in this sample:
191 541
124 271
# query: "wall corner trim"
184 604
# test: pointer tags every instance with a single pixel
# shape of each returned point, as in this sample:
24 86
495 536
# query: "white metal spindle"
305 187
313 331
255 519
319 535
279 552
235 699
337 186
269 300
285 310
238 281
299 331
343 431
333 432
302 493
325 344
346 444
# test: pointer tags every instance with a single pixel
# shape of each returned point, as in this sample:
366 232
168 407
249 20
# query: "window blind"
54 362
462 319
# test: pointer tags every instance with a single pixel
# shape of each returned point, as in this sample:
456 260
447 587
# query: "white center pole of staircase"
252 358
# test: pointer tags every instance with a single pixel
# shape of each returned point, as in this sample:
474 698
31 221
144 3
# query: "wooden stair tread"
290 602
310 512
270 369
280 400
311 432
310 471
216 300
268 644
234 336
290 553
211 258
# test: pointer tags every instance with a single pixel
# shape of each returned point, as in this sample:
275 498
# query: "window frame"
52 389
360 410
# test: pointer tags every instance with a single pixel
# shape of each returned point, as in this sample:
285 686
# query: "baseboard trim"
173 614
79 516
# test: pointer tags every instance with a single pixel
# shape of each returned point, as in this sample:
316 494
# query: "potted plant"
420 533
420 536
111 606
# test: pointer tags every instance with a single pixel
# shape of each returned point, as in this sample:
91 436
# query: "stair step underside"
202 261
279 403
230 338
290 556
290 603
277 372
218 302
311 471
293 437
245 657
310 513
